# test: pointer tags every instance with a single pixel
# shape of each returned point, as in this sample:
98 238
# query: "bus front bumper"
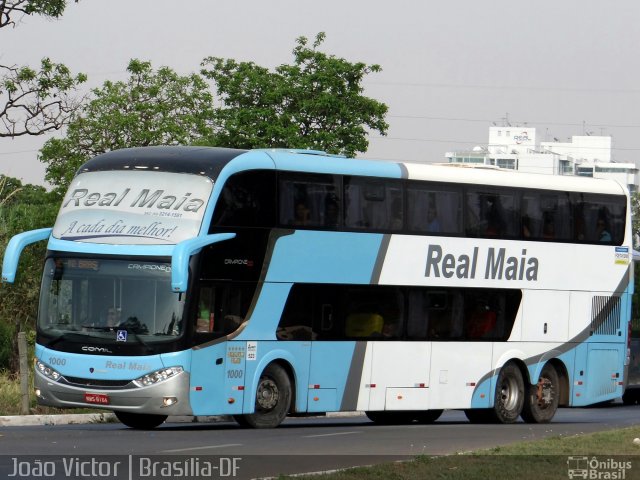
169 397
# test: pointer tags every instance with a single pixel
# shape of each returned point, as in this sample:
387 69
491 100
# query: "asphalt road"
299 445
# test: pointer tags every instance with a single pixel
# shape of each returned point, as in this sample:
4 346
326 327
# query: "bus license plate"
98 398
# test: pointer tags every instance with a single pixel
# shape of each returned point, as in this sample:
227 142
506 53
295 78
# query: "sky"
450 69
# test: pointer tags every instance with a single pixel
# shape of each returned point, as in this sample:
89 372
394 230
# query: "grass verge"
10 398
548 459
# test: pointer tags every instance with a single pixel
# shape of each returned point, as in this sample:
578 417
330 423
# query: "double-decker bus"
266 283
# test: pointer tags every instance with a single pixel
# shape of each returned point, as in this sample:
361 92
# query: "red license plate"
97 398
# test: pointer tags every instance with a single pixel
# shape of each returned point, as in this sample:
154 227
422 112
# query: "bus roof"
301 161
500 177
210 161
207 161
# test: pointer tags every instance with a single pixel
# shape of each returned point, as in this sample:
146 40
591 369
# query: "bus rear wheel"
541 402
509 396
273 399
631 396
140 421
481 415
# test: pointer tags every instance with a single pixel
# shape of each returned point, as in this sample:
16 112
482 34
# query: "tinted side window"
546 216
492 213
309 200
221 309
373 204
296 320
599 218
434 209
247 200
375 312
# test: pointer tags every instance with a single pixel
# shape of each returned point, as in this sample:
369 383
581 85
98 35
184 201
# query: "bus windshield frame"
115 302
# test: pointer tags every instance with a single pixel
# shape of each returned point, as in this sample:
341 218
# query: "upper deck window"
373 204
310 200
247 200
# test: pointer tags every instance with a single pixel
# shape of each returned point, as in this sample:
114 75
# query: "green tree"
635 218
154 107
32 102
35 101
22 208
317 102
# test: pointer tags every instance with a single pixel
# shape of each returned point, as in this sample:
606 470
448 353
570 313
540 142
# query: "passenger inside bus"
302 214
113 317
482 320
548 227
390 330
433 224
603 233
332 213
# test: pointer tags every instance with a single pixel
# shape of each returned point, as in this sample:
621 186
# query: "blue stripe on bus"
324 257
301 162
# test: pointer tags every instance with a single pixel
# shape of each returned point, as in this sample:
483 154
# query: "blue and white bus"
266 283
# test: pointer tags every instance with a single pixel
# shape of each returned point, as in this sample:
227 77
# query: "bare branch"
33 103
10 9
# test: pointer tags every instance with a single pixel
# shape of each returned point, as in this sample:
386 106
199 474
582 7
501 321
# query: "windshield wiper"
149 348
63 336
99 328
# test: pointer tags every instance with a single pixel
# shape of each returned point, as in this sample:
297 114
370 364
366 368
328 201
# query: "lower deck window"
352 312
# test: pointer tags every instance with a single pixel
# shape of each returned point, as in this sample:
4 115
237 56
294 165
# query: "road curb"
67 419
108 417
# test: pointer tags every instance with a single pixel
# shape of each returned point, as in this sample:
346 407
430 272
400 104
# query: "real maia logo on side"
498 265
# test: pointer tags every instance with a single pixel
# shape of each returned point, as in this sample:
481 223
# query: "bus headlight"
157 376
47 371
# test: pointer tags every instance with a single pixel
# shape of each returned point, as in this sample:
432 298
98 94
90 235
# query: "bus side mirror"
183 251
14 250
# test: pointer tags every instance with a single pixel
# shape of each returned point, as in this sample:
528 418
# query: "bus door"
218 364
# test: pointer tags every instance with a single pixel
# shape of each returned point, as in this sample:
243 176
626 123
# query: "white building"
516 148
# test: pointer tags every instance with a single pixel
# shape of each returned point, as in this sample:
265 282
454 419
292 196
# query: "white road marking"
330 434
207 447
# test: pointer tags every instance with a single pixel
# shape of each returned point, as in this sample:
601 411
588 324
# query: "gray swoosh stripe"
579 338
354 377
382 253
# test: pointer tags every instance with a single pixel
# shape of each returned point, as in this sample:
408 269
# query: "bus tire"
273 399
509 396
630 396
140 421
541 402
391 418
480 415
428 416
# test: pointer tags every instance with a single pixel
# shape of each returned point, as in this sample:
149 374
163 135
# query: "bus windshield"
97 298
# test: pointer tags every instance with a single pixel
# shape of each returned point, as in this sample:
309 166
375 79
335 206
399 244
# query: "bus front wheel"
140 421
509 397
273 399
541 402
